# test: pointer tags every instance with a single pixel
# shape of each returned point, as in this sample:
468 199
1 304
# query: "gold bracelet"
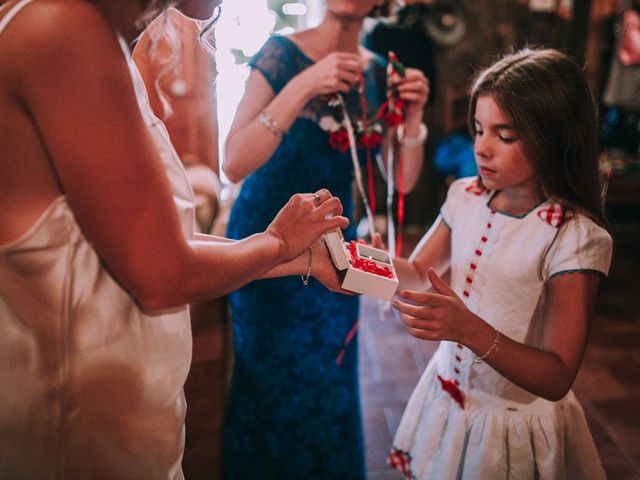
267 120
305 278
492 348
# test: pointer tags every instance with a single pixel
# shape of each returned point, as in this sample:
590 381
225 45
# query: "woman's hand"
436 316
324 270
337 72
413 88
304 218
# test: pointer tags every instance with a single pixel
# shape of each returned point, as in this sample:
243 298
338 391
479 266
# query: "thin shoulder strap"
12 13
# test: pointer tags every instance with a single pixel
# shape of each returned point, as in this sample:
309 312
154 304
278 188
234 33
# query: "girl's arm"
250 143
99 148
433 251
547 371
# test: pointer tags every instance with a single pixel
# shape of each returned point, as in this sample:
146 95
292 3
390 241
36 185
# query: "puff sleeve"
273 60
581 246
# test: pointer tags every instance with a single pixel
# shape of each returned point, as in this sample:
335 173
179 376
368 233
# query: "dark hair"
545 95
384 10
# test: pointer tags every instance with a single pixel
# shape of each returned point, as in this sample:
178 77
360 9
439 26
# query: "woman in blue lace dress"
294 410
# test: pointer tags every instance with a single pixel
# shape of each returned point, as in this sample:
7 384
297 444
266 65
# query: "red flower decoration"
339 140
369 140
392 111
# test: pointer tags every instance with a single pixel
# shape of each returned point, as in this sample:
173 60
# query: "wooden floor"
608 384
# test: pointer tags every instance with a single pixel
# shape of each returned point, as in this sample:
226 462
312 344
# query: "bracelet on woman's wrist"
412 142
305 278
267 120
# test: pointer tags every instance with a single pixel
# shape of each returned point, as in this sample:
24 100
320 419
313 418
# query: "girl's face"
198 9
498 149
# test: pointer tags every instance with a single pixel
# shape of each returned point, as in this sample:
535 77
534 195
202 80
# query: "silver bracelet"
268 121
305 278
412 142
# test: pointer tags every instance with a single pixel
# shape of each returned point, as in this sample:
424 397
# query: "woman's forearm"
412 152
249 146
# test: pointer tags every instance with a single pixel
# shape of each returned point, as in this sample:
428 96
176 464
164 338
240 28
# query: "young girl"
526 245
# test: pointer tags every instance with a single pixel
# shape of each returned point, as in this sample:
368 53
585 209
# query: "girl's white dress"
466 421
90 386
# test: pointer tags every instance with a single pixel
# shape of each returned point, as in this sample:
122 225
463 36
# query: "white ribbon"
356 164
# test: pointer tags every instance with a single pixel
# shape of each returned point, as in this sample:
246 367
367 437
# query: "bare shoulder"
48 27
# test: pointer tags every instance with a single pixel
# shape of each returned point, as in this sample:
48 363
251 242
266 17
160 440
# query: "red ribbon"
400 206
367 144
347 341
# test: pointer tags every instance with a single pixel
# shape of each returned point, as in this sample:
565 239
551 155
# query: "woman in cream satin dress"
98 259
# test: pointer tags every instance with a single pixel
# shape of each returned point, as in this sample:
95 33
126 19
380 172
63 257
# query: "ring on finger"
316 197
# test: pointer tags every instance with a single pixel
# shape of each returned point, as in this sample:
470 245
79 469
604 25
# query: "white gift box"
356 280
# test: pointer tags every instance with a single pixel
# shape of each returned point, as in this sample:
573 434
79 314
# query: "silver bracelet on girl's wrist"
412 142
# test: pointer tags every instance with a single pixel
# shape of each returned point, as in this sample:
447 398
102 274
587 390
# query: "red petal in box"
362 269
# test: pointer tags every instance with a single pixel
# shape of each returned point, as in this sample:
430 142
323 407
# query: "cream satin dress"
90 386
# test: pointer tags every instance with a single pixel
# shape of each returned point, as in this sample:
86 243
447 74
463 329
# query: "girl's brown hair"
546 97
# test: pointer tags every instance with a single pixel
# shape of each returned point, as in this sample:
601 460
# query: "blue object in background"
454 156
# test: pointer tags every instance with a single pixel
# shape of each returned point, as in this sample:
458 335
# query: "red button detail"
469 279
473 266
465 293
478 253
484 239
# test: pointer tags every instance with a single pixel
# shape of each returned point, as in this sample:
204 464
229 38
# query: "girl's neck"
516 200
333 35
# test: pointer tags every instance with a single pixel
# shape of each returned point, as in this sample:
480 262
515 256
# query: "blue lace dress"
293 411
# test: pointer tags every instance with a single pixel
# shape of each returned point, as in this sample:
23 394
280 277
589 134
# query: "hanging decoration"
366 133
392 113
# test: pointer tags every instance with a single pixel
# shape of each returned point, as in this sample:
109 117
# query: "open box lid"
342 258
335 244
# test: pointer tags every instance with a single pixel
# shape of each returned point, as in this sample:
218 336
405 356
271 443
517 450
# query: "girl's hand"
435 316
304 218
323 270
337 72
413 88
376 241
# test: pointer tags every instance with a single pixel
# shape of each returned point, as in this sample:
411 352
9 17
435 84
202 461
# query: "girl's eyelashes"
508 138
505 134
504 138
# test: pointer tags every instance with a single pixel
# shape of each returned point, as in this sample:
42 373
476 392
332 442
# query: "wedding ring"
316 197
